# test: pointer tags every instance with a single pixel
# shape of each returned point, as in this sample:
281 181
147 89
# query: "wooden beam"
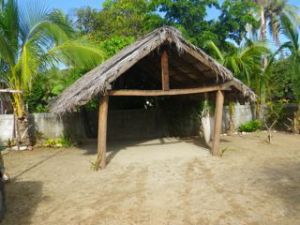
165 71
187 91
218 123
102 133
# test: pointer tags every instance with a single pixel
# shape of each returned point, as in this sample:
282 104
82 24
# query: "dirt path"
166 181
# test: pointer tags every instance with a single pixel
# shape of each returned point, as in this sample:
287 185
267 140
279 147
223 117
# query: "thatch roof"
191 66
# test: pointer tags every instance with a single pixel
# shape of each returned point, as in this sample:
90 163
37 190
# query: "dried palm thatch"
100 79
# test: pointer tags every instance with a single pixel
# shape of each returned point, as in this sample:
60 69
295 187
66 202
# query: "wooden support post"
102 131
218 123
165 71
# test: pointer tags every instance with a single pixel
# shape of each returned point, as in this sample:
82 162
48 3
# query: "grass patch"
251 126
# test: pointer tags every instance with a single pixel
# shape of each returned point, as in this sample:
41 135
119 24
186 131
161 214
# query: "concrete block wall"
46 124
122 124
242 114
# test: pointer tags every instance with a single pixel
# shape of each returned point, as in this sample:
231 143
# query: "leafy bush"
61 142
250 126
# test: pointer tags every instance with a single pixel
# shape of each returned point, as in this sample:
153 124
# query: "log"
187 91
218 123
102 133
165 71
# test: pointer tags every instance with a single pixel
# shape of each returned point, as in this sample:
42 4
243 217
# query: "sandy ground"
167 181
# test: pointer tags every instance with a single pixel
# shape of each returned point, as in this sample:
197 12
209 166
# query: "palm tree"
272 13
245 63
293 46
33 40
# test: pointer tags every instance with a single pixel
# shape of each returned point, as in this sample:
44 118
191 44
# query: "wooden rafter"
186 91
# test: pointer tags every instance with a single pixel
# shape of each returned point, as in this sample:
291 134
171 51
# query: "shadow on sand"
283 182
22 199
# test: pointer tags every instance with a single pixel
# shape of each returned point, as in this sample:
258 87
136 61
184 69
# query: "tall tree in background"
235 16
245 63
127 18
33 40
87 20
193 19
271 14
293 46
189 16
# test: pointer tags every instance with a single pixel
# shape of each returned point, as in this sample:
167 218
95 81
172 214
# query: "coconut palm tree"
293 46
32 40
272 13
245 63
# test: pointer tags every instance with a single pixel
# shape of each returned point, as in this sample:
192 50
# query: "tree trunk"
231 127
263 23
23 137
206 127
263 37
206 123
296 121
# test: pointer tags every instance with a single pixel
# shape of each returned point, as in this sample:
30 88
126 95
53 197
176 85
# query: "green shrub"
62 142
251 126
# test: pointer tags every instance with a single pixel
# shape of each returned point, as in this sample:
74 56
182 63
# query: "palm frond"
215 50
75 53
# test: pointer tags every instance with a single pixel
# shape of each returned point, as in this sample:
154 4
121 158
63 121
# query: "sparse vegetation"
251 126
62 142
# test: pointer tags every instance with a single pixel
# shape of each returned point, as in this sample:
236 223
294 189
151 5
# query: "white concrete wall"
6 127
47 124
51 126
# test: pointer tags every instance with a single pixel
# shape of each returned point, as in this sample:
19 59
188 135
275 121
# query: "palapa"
100 79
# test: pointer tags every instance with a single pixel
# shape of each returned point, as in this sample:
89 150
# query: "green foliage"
235 16
32 40
48 85
119 18
275 113
62 142
87 20
243 61
191 16
251 126
115 44
293 46
279 81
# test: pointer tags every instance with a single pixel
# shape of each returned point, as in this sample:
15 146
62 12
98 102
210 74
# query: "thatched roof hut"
189 67
159 64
